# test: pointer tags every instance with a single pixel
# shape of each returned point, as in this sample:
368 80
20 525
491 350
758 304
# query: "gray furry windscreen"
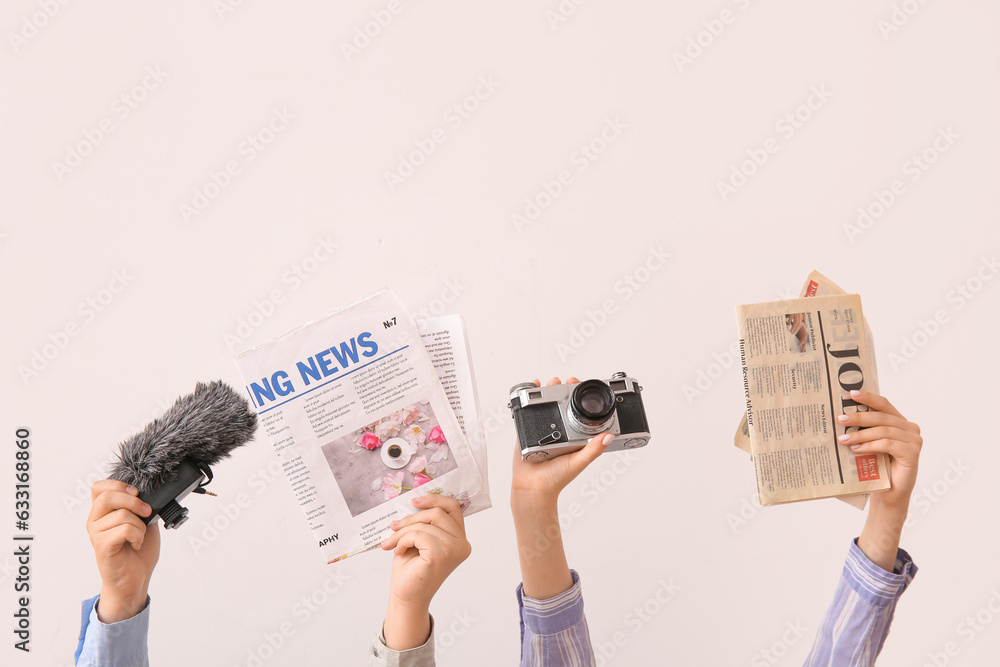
204 426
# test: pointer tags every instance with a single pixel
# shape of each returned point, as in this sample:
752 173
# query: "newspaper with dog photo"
819 285
800 359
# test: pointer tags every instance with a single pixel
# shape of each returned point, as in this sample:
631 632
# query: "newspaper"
357 414
447 342
819 285
800 360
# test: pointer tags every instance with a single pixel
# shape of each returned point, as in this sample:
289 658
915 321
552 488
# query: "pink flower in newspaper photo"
418 464
441 453
411 414
414 435
387 428
392 485
420 479
437 435
370 441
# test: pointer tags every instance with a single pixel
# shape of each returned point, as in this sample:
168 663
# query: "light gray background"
446 234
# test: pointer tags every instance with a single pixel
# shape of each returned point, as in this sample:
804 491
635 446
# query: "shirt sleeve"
379 655
857 622
554 632
121 644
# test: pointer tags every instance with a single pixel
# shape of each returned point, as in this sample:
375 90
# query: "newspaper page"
446 340
355 412
800 360
819 285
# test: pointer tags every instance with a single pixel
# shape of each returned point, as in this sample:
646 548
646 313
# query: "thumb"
579 460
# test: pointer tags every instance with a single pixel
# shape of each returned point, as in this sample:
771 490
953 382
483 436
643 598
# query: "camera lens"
592 406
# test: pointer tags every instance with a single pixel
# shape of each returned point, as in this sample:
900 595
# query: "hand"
538 484
126 548
885 430
427 547
534 502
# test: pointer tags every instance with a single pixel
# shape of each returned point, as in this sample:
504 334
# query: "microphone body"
172 456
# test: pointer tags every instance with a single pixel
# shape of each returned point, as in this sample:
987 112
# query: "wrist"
533 504
113 607
407 623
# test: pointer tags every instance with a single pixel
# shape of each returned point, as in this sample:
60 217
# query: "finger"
420 535
449 505
110 501
572 380
875 402
434 516
870 419
100 486
117 518
112 540
553 381
878 433
903 452
582 458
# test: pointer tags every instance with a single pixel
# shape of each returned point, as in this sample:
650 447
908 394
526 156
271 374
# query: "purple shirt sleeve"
857 622
554 632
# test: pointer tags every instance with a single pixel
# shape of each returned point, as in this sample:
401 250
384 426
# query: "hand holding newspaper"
357 413
801 358
819 285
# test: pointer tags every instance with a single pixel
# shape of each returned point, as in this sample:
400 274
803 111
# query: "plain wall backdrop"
594 186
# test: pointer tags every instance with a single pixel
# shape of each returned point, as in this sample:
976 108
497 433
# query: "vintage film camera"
561 418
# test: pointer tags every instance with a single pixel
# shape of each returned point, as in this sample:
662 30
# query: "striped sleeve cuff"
872 583
554 615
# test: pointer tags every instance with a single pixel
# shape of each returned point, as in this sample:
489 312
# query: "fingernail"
607 439
131 489
146 509
854 447
842 419
845 437
395 522
855 393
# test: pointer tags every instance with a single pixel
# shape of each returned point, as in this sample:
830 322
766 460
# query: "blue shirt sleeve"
121 644
554 632
857 622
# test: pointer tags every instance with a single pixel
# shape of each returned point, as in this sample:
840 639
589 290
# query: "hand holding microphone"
156 468
125 547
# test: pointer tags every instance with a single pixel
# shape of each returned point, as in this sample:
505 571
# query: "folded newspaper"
366 409
800 359
819 285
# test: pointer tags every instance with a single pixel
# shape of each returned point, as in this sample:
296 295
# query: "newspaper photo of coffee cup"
401 451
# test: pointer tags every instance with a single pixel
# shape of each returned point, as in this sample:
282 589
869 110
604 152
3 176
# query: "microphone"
172 455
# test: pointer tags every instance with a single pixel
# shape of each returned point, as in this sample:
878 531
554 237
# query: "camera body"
561 418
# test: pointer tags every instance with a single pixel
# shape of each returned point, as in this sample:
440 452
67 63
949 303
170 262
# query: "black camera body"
561 418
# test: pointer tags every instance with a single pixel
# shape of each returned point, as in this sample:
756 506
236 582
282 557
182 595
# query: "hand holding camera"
560 418
534 500
125 547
